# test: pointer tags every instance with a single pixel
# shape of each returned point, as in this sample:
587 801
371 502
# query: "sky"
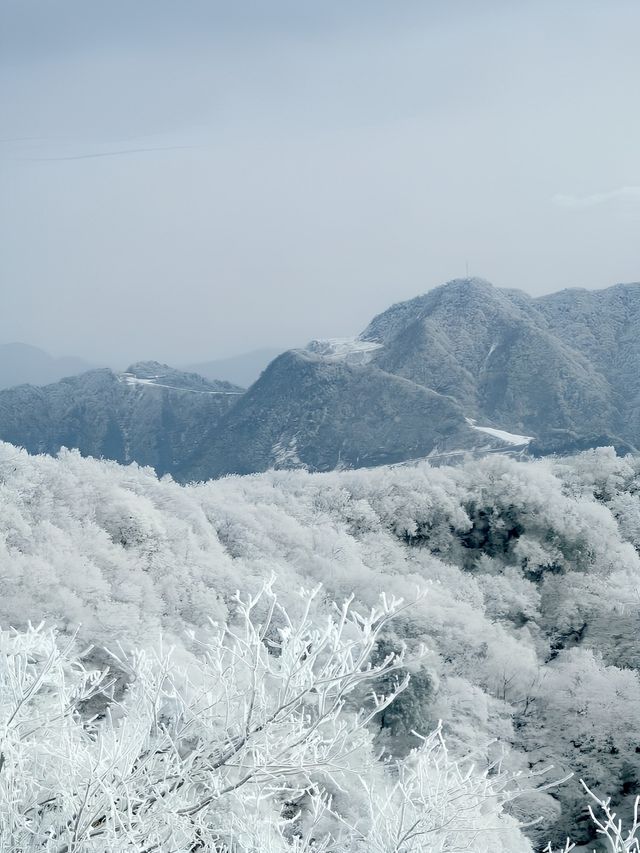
191 179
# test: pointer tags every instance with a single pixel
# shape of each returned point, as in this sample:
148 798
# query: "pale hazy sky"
185 179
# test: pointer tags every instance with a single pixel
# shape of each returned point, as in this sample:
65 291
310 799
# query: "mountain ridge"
499 352
465 367
119 416
302 411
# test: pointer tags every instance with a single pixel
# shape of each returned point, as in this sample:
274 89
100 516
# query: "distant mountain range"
465 367
21 363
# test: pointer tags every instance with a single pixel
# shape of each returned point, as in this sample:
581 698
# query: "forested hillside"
152 414
530 570
552 367
465 366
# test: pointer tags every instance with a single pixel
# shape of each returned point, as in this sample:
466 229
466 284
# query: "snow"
503 435
286 455
130 379
347 349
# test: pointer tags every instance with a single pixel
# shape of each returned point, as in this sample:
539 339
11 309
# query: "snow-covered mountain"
322 412
151 373
465 367
529 366
151 414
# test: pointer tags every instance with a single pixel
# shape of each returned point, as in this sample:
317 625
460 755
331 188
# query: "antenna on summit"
466 263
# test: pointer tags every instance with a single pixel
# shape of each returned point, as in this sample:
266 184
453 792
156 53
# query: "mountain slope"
466 366
604 326
152 414
497 354
529 621
323 413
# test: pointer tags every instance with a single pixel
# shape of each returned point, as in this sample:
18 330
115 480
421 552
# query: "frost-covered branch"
257 716
251 744
609 826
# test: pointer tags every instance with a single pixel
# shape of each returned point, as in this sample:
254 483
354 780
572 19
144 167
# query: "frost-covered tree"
247 746
617 836
523 561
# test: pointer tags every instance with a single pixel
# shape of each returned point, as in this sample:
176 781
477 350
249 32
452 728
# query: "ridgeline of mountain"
152 414
466 366
22 363
515 361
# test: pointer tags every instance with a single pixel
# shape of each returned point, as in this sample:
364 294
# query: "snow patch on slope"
353 350
131 379
503 435
285 455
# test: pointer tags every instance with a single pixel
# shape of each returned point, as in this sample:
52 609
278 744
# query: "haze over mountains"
464 367
241 369
22 363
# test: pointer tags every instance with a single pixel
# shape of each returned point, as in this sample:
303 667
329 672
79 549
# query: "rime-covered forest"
319 426
401 659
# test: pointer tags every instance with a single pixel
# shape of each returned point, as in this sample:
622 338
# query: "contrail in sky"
109 153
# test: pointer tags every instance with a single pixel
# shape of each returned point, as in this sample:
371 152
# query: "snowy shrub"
248 746
523 562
